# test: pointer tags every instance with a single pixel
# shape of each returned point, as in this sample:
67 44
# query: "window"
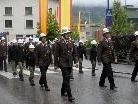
50 10
28 10
8 23
19 36
8 11
29 24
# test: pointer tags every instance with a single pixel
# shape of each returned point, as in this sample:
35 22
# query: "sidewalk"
117 68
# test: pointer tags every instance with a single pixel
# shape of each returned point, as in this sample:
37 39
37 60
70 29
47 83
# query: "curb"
113 71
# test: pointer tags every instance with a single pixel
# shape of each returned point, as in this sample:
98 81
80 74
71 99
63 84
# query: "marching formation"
63 53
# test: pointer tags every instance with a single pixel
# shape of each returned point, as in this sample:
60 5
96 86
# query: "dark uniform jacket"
134 51
43 55
20 56
93 52
105 51
64 53
12 53
81 50
3 49
31 58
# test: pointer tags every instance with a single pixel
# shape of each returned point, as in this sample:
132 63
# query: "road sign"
108 17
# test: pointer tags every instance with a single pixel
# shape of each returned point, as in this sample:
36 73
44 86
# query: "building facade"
19 17
132 13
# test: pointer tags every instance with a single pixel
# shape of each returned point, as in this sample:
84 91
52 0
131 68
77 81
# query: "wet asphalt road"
84 88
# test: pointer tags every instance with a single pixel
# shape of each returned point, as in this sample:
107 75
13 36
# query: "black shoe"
14 74
71 99
64 94
102 86
71 78
112 88
41 85
134 81
81 72
115 87
21 79
93 74
32 84
47 89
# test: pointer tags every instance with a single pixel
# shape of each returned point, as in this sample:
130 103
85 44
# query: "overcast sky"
102 2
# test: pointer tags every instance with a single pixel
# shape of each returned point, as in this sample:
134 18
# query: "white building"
53 4
20 17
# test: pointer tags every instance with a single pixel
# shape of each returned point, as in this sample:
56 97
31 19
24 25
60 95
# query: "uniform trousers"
14 65
135 71
107 72
21 69
3 64
66 71
93 62
31 69
43 80
80 64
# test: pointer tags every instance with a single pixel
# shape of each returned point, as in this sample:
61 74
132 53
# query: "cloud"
102 2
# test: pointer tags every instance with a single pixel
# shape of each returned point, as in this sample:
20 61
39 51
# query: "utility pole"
89 19
79 22
107 4
125 3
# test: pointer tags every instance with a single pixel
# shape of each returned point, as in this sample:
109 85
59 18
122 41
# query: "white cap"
2 38
65 30
56 39
93 42
136 33
20 41
35 39
80 41
105 30
31 46
23 40
31 38
26 40
42 34
14 41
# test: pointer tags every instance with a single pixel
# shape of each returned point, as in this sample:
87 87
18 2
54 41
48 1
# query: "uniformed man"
43 60
64 58
53 51
81 51
93 55
12 56
26 48
3 54
134 55
104 55
20 57
31 59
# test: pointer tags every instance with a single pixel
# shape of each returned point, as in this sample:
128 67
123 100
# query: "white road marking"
48 71
27 72
8 75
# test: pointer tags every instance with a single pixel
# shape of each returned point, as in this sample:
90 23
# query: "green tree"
75 34
120 26
38 29
53 27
